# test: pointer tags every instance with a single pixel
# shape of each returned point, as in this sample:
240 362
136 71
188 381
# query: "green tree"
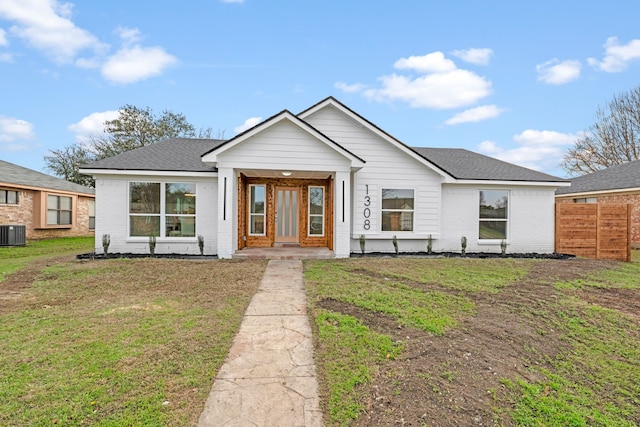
133 128
613 139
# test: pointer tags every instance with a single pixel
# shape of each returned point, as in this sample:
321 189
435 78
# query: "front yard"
452 342
423 342
114 342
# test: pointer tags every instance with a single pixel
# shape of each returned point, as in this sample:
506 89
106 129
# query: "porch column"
226 213
342 214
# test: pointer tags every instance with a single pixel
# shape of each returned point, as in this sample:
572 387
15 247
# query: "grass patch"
622 276
16 257
596 380
468 275
350 355
120 342
431 311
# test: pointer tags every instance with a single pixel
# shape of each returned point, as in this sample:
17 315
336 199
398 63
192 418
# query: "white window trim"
507 219
414 210
309 214
264 214
163 215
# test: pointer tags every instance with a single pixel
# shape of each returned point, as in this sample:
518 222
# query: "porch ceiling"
279 173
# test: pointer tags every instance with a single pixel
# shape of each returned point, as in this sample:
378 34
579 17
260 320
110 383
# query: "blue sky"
514 80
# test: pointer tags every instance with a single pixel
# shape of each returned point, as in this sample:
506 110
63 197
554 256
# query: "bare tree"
613 139
66 162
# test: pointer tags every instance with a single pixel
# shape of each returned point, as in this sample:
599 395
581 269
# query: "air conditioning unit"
13 235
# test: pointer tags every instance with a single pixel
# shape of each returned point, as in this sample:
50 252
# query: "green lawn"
592 379
114 342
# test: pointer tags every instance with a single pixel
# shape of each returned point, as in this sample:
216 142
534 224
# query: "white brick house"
321 178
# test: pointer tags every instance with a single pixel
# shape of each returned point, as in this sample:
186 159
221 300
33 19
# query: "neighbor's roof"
176 154
467 165
618 177
19 176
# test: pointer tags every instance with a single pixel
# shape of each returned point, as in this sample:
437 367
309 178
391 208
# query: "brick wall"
22 214
627 198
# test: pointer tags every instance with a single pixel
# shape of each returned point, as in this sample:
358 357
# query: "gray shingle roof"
465 164
21 176
184 155
626 175
176 154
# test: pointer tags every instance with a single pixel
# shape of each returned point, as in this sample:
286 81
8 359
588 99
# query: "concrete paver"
269 376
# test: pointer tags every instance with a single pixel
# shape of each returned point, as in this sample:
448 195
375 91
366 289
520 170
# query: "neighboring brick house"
616 184
47 206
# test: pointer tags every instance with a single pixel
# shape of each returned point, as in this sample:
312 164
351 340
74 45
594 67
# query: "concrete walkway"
269 377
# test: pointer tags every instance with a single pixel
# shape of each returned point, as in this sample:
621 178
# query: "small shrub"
106 241
463 243
152 244
429 244
395 244
201 243
363 241
503 247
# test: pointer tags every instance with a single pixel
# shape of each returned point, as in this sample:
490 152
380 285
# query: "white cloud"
347 88
135 63
476 114
92 125
617 56
474 55
556 72
439 85
13 132
3 38
537 149
46 25
6 57
248 124
434 62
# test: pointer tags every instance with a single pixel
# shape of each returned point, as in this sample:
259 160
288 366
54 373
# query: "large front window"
59 210
494 214
257 210
316 211
397 210
162 209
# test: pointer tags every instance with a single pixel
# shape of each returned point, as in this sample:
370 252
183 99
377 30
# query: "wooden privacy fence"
601 231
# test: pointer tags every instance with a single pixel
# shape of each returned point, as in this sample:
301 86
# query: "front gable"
283 142
356 133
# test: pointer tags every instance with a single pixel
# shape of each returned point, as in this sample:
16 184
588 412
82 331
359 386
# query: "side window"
257 210
92 214
494 214
316 211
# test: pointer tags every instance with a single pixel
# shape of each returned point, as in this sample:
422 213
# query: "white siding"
112 217
531 219
284 146
386 167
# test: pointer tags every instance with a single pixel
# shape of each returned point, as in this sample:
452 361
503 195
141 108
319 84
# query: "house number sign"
366 212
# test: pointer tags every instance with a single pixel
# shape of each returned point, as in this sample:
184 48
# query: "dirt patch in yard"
455 379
